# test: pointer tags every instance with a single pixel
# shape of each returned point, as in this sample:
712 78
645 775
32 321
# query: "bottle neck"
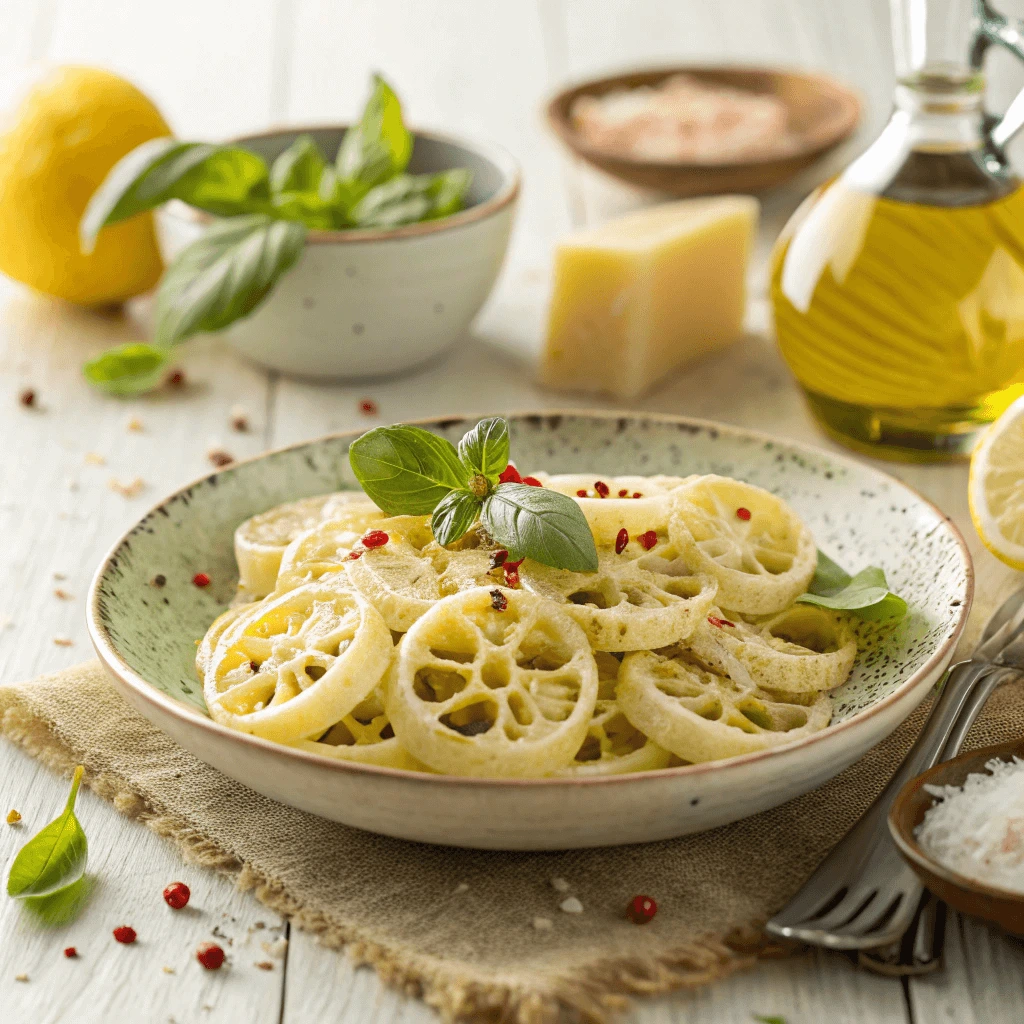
939 111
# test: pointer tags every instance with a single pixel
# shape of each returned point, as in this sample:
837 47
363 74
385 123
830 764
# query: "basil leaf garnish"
406 470
223 180
379 146
541 524
484 449
55 857
128 369
299 168
224 275
867 594
455 513
409 199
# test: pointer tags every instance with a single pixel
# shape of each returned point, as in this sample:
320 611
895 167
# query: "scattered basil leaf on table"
224 275
867 594
128 369
55 857
484 449
454 515
299 168
541 524
61 906
406 470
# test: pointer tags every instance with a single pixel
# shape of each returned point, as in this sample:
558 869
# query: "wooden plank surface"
222 68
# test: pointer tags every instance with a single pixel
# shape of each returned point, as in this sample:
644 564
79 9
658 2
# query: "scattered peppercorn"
253 666
621 540
641 909
497 558
176 895
511 577
176 379
499 602
210 955
13 817
602 488
637 494
375 539
623 493
264 965
353 555
201 579
743 513
158 580
368 407
648 540
719 623
219 457
71 952
532 481
125 934
239 419
581 493
27 398
510 475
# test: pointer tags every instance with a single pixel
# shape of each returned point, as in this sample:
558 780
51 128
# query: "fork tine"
847 911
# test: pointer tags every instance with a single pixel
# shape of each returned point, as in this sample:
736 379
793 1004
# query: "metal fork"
863 894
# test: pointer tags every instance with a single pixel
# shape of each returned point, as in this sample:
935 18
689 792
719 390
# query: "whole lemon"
56 146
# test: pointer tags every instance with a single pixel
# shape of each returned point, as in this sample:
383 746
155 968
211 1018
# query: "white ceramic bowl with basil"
860 515
365 303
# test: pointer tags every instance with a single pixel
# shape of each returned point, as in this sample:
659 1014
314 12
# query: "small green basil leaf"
298 168
128 369
55 857
406 470
769 1020
484 449
538 523
409 199
455 513
230 182
305 207
380 145
61 906
224 275
867 594
448 192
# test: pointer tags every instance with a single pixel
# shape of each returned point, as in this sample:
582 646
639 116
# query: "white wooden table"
222 67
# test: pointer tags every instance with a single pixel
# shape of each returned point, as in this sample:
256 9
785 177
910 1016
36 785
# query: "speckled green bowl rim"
116 665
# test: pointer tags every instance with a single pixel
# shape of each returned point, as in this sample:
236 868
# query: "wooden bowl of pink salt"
704 130
960 826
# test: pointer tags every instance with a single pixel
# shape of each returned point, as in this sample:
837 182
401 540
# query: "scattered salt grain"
132 489
461 887
94 459
559 885
168 970
571 905
21 977
58 576
977 829
134 424
63 594
63 641
275 948
543 924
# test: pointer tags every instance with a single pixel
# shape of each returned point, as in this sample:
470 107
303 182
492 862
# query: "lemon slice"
801 650
619 510
637 599
295 664
613 745
996 487
364 736
701 715
326 547
751 541
261 540
493 686
404 578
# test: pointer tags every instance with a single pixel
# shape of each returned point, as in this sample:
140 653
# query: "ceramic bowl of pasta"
340 659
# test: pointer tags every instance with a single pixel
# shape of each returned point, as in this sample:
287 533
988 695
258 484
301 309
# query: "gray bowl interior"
430 155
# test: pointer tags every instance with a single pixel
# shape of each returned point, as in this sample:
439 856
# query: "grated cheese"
977 829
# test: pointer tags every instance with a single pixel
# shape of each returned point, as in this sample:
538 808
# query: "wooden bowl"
822 113
968 895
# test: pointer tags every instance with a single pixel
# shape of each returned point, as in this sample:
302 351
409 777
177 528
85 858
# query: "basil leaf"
61 906
769 1020
54 857
406 470
541 524
484 449
298 168
867 594
305 207
456 512
225 275
220 179
128 369
379 146
409 199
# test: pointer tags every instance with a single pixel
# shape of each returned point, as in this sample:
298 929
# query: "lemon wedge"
996 487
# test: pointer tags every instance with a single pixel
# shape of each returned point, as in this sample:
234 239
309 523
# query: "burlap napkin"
458 927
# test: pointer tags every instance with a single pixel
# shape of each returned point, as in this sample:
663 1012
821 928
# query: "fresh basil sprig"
410 471
867 594
55 857
232 267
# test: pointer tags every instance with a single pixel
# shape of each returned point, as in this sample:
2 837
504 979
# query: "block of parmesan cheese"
637 297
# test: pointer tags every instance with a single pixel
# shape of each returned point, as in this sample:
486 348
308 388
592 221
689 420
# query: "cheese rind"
640 296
